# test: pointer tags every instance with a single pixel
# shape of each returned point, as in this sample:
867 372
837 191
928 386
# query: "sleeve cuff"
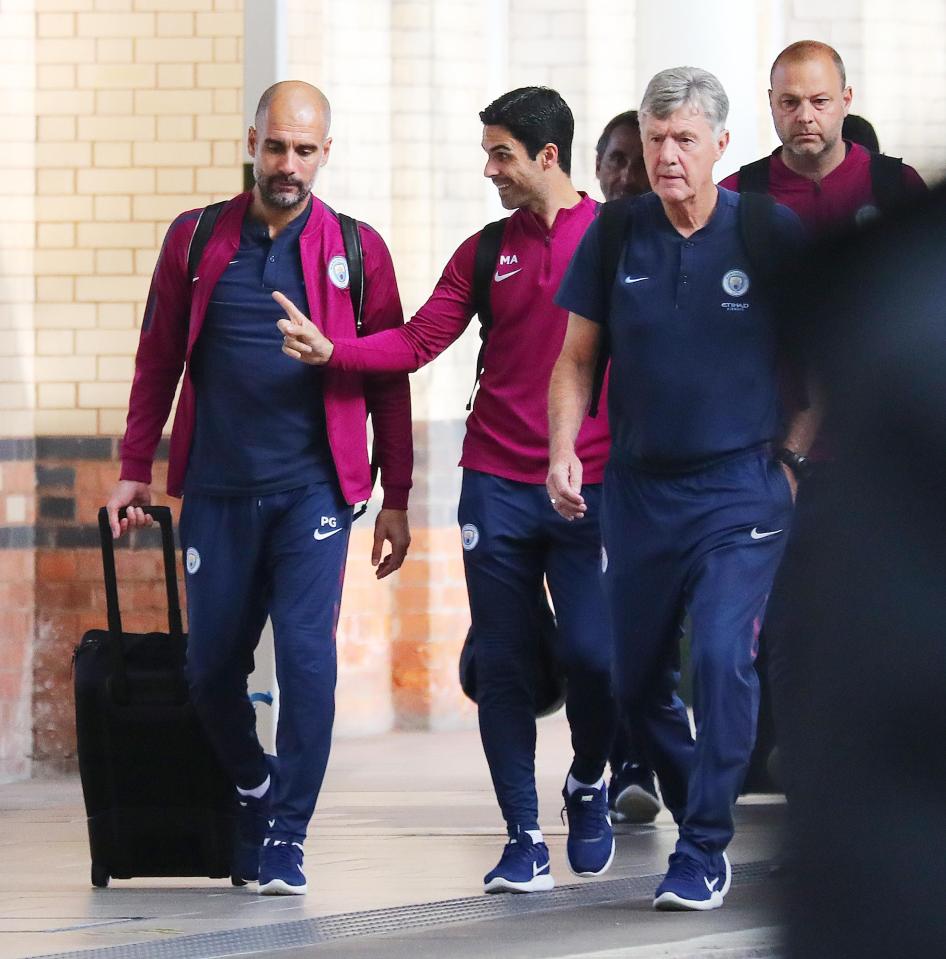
138 471
395 497
341 356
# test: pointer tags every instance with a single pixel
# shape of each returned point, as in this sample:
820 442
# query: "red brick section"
432 619
16 629
363 696
70 599
16 617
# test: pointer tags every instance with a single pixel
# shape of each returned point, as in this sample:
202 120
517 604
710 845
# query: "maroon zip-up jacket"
173 319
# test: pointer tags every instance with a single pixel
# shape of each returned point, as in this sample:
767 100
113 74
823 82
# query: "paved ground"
405 829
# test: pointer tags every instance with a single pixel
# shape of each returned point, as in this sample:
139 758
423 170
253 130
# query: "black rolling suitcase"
157 801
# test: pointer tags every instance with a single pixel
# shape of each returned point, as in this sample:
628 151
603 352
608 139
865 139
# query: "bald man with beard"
270 457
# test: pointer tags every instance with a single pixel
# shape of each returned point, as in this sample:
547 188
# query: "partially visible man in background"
828 181
619 158
632 791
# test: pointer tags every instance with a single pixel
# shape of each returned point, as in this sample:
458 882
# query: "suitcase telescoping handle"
162 516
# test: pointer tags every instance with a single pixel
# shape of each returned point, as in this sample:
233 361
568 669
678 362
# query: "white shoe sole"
600 872
637 806
538 884
671 902
276 887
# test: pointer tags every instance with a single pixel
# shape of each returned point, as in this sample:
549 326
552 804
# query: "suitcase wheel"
100 876
237 881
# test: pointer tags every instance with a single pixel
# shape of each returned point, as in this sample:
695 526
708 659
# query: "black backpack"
756 227
886 179
487 253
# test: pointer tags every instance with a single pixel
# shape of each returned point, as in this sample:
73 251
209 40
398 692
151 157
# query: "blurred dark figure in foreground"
868 731
859 130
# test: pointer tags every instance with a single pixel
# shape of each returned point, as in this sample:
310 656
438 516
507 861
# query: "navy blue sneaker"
590 846
280 868
632 795
251 822
689 884
523 867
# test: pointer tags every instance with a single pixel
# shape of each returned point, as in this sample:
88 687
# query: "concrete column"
734 39
18 347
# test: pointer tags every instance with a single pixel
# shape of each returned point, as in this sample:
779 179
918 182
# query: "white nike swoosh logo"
536 871
499 277
318 534
755 534
712 885
272 822
635 279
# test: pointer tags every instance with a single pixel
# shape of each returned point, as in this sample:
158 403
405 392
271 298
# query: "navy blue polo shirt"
693 340
260 424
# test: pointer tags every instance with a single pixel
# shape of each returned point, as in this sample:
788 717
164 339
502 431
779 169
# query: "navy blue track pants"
248 557
707 543
512 540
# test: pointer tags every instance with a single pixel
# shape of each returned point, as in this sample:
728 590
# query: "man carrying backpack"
270 458
830 182
512 540
697 498
833 184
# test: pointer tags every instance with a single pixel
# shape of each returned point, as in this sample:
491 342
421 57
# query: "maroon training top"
507 433
835 200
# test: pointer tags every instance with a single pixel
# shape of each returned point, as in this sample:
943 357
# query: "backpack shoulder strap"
886 180
355 257
614 226
756 229
351 237
754 177
487 253
202 232
484 262
614 218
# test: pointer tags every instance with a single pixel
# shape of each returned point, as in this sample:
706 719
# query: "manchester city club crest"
736 283
338 272
470 535
192 560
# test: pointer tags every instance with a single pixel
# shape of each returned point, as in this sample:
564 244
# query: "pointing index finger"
292 311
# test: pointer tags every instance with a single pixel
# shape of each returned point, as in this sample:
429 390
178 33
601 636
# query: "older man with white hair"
696 504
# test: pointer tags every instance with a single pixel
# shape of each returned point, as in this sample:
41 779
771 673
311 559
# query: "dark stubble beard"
282 201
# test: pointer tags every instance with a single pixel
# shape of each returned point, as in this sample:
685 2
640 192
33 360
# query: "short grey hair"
686 86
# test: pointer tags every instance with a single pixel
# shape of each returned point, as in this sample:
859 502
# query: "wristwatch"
800 465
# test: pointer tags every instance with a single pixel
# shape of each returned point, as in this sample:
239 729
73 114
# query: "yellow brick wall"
138 107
